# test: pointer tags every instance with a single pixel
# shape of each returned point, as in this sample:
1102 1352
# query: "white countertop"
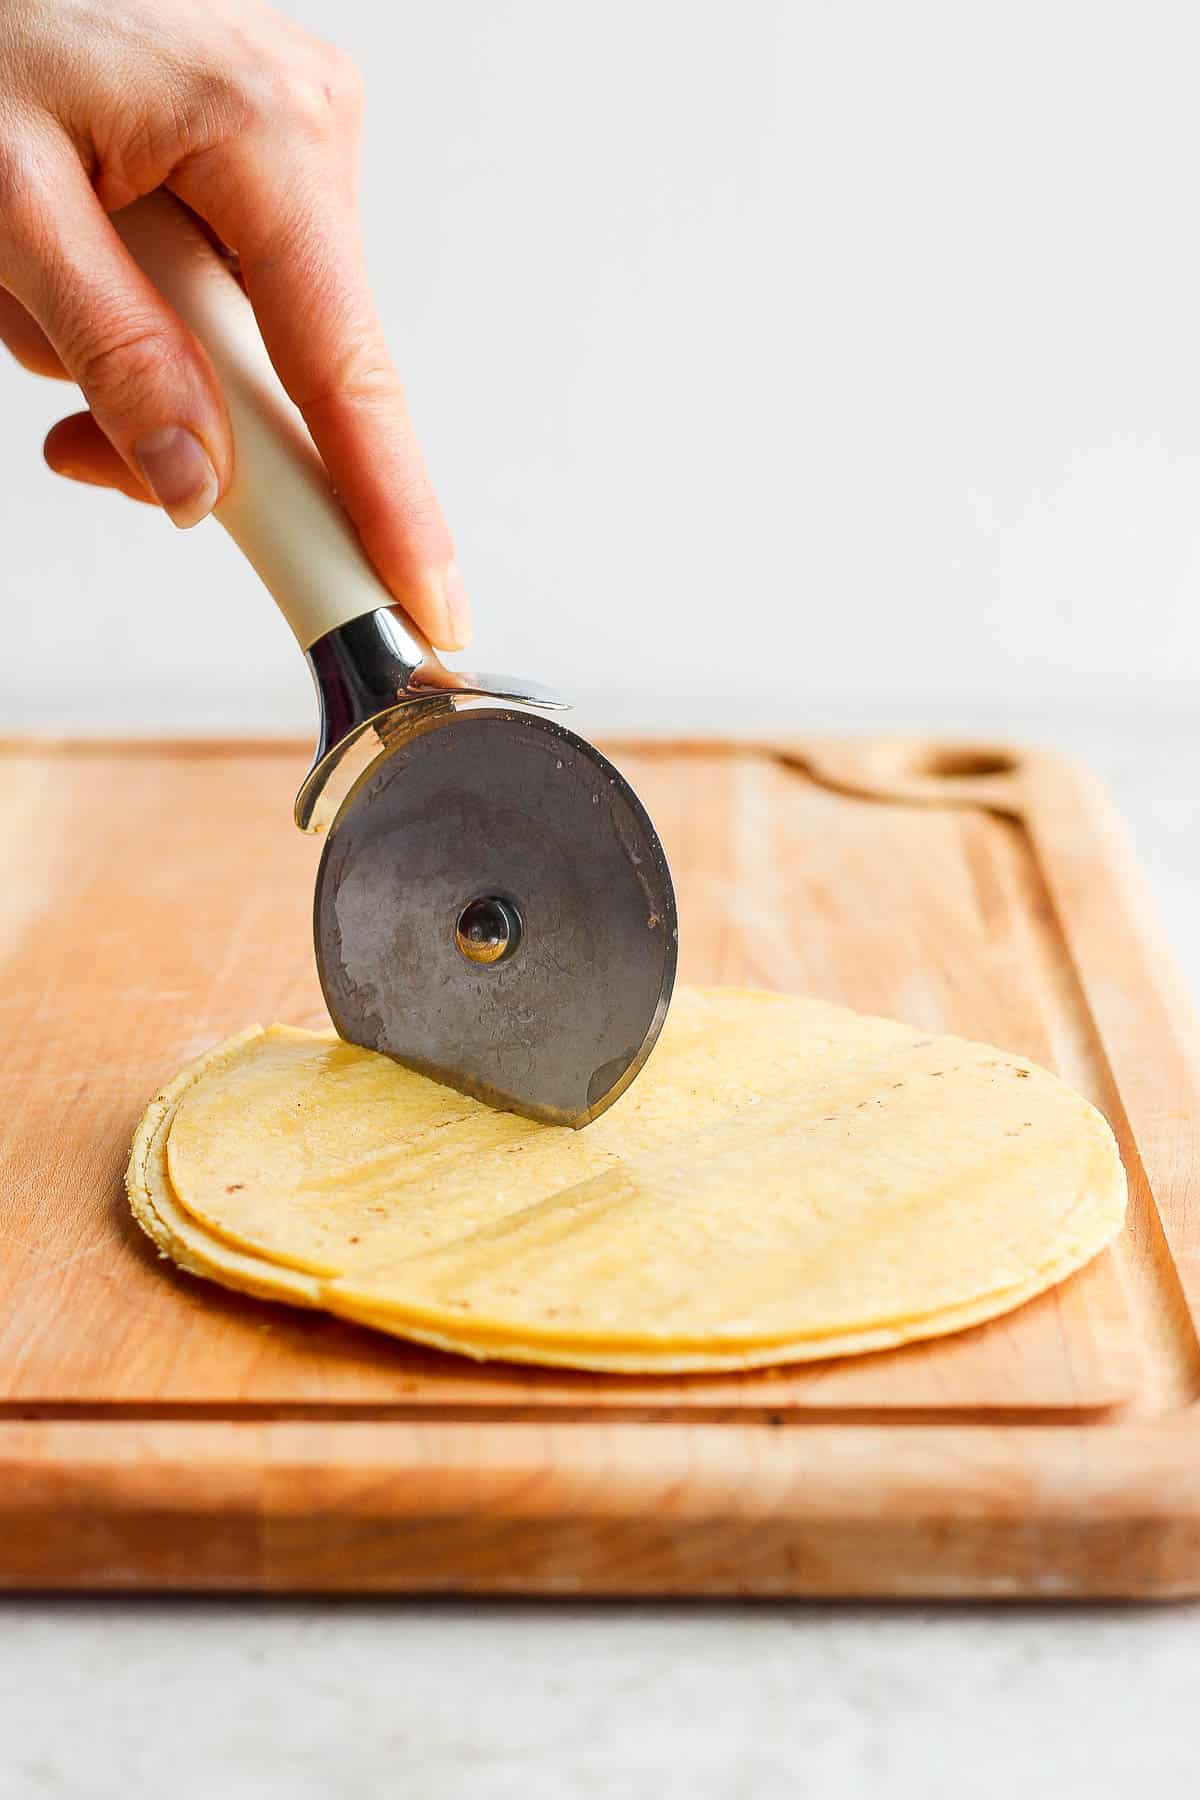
236 1698
344 1700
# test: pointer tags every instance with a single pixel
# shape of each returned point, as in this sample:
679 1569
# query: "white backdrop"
843 357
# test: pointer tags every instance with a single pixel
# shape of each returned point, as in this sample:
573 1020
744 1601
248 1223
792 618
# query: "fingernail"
178 473
457 610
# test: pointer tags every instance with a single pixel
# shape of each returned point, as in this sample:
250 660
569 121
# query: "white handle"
280 509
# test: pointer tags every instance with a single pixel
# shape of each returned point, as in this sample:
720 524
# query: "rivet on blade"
488 929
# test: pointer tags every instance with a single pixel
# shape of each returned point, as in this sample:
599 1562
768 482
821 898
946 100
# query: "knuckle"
301 97
211 92
365 380
316 94
154 131
253 90
343 79
369 379
117 366
198 110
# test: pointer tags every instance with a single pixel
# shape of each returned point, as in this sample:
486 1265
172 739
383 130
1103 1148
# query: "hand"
254 125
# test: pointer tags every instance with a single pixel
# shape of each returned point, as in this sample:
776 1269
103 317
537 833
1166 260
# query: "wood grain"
161 900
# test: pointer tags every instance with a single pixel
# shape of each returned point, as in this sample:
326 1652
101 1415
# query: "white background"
842 358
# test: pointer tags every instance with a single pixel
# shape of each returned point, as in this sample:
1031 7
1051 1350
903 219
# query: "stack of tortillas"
785 1180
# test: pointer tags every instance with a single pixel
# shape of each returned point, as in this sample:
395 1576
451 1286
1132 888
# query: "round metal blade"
494 908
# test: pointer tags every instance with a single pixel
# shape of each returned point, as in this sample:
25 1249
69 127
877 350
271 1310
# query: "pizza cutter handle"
280 508
368 660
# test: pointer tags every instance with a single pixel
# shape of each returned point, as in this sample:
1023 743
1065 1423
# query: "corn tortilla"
786 1180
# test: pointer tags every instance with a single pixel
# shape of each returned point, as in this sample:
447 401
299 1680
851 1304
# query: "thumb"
145 377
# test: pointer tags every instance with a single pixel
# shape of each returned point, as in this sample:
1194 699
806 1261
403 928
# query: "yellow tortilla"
786 1180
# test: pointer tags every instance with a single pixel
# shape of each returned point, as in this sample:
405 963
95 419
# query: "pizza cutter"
493 905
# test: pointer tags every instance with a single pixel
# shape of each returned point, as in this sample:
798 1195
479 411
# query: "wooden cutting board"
156 1431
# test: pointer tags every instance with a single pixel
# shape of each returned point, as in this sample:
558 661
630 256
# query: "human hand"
254 125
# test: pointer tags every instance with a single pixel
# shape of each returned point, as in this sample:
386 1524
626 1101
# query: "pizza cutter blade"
494 908
493 905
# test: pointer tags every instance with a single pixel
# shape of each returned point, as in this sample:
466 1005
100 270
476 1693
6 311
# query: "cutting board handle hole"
966 762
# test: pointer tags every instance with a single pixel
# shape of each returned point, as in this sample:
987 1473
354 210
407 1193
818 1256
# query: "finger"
77 448
303 268
27 341
146 379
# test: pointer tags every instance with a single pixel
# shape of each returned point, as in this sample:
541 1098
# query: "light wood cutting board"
156 1431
